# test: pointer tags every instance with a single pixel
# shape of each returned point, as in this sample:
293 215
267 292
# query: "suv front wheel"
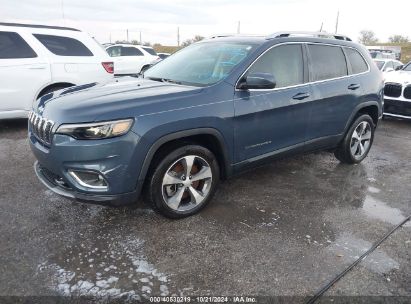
184 181
357 142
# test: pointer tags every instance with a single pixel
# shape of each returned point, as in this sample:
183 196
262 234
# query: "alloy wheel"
187 183
361 140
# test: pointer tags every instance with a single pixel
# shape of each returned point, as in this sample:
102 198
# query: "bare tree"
190 41
398 39
367 37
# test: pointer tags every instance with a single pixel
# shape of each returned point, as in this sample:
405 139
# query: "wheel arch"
371 108
54 85
210 138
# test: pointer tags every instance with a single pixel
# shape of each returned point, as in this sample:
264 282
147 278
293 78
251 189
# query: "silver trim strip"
81 183
396 115
302 84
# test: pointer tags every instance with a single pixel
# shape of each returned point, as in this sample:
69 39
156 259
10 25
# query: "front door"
268 122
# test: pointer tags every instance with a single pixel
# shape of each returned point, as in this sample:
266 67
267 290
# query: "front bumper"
46 177
114 159
397 108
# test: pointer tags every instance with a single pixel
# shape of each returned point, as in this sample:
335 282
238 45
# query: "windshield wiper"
164 80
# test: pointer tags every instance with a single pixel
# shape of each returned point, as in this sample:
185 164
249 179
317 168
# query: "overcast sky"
158 19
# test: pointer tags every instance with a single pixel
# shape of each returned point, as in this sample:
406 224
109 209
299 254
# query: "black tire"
156 193
344 152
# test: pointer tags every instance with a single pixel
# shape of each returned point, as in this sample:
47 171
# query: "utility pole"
127 34
336 22
321 28
110 37
178 36
62 12
238 27
141 41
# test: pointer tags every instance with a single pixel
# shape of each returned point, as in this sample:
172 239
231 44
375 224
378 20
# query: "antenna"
178 36
238 27
321 27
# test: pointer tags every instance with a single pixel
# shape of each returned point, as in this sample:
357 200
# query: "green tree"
367 37
398 39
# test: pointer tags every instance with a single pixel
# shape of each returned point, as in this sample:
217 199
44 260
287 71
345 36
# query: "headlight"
96 130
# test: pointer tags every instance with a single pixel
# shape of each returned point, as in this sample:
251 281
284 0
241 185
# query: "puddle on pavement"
348 248
382 211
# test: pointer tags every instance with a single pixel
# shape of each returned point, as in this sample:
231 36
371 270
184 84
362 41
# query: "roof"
39 26
127 44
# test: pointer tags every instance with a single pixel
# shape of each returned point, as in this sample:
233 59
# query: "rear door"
22 72
335 94
269 122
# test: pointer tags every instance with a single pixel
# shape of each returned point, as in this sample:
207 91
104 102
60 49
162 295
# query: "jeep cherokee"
209 111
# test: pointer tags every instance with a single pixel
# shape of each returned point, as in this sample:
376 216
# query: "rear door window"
13 46
358 64
63 46
327 62
130 51
285 62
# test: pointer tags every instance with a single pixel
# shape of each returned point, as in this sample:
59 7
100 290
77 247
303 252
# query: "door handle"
301 96
37 67
353 86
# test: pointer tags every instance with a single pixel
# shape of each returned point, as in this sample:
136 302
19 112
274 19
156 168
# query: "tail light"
108 66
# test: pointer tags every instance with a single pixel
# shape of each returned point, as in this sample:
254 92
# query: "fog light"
89 179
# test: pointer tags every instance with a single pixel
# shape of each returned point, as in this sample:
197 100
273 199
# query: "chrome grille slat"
407 92
41 128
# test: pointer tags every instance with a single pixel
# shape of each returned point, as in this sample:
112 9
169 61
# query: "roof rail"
309 34
39 26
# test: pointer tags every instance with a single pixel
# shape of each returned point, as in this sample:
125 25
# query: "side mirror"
387 70
261 81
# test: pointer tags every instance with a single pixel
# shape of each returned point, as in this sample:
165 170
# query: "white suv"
38 59
131 59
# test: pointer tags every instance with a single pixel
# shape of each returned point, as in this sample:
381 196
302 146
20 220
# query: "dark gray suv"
207 112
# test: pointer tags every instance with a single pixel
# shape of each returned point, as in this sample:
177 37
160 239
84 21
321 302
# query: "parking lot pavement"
285 229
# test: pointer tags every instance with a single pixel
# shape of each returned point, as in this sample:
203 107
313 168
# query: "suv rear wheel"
357 142
184 182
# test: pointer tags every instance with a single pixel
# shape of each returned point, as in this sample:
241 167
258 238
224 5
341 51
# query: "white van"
38 59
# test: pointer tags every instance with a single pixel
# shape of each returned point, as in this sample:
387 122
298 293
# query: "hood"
121 98
403 77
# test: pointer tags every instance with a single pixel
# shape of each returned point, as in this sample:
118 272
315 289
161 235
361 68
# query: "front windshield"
379 64
200 64
407 67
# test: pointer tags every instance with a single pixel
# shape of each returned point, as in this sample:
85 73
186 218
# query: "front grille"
407 92
392 89
41 128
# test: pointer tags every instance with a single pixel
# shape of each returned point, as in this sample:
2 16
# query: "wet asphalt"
285 229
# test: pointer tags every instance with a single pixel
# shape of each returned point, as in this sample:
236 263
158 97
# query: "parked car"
386 54
210 111
397 93
131 59
37 59
388 65
163 55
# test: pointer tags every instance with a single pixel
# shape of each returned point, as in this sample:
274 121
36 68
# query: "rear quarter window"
63 46
13 46
358 64
327 62
150 51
